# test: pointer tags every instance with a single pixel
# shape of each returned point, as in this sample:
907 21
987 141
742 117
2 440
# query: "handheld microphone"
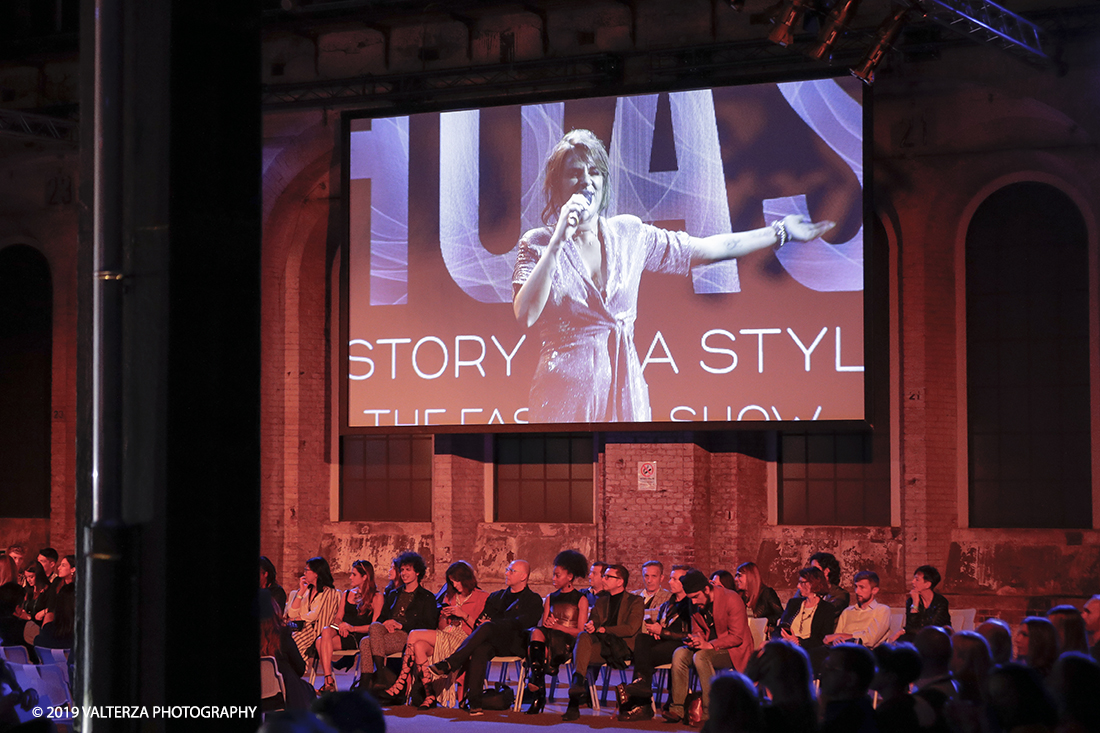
573 220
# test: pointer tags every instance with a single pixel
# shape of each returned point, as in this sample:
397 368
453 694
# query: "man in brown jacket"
608 637
720 639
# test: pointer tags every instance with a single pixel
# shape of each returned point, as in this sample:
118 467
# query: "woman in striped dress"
314 604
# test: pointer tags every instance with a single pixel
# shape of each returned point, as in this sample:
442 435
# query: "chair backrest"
897 620
55 683
271 682
758 627
15 654
962 619
47 655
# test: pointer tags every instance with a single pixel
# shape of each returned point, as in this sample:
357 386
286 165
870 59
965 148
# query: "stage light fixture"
789 16
737 5
884 39
835 25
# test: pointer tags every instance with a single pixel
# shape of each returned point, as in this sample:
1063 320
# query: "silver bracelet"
781 232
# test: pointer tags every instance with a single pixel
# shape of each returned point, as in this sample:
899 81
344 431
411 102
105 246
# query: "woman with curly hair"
460 604
564 614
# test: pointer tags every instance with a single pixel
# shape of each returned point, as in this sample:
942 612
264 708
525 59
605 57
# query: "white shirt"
870 624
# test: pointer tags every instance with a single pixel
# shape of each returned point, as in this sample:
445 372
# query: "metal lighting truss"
14 123
991 24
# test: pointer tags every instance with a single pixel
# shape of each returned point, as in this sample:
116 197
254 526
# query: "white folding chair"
758 628
897 621
962 619
521 676
271 682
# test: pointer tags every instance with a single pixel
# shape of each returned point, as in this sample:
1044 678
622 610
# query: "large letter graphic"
482 275
382 155
695 193
838 120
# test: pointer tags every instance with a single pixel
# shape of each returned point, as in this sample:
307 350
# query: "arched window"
26 318
1027 352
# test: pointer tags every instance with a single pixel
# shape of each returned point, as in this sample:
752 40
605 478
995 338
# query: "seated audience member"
608 637
935 685
393 581
13 625
358 607
313 604
38 593
653 572
999 637
719 639
269 581
1017 700
924 607
412 607
970 664
808 618
735 706
1074 683
500 632
460 603
783 671
723 578
656 644
66 570
898 711
18 555
1090 614
47 558
8 572
760 600
1036 644
58 630
595 582
835 596
846 675
564 615
1070 628
276 641
868 621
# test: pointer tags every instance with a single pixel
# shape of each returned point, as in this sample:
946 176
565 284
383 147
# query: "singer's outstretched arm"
728 246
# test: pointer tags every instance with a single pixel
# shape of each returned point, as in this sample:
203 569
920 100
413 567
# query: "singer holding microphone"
578 278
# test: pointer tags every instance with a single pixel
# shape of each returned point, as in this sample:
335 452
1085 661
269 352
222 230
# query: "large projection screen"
437 205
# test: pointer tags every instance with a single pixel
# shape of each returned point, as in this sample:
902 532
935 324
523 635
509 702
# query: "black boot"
383 677
578 695
536 677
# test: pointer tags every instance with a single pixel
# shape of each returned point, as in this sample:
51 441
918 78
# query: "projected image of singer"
578 279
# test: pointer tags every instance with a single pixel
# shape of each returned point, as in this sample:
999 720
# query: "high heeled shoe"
539 703
328 686
428 703
398 691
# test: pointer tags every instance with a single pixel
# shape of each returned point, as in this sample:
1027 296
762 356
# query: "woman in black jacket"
808 618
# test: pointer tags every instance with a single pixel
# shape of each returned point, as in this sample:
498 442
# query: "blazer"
422 612
629 621
823 623
731 625
662 595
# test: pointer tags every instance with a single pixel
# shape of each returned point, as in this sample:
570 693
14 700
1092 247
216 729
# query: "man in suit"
501 632
608 637
720 639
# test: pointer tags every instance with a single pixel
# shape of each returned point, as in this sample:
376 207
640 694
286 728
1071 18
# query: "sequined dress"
588 368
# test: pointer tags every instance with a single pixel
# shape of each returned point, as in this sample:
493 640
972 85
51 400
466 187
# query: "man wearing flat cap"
719 639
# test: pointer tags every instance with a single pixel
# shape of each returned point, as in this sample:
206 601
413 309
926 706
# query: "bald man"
501 632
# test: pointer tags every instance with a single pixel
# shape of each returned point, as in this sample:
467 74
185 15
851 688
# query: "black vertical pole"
168 461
